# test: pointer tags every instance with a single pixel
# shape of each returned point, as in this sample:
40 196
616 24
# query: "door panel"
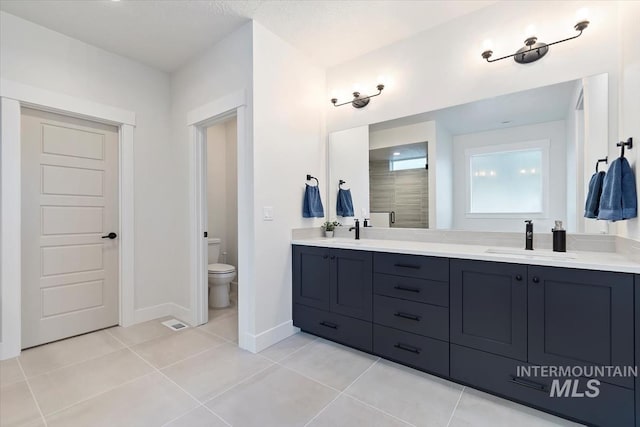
69 200
311 276
489 307
581 318
352 283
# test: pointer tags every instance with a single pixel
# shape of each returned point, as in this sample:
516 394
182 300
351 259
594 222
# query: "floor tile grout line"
456 407
33 395
200 403
341 392
75 363
191 410
290 354
231 387
93 396
389 414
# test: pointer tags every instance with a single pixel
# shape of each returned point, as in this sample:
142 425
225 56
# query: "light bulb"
582 14
530 31
382 80
356 87
334 94
396 154
487 45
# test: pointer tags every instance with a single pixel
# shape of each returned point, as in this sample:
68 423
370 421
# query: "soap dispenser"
559 238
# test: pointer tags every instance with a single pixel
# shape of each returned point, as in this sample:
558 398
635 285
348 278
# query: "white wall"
554 132
222 188
427 74
629 100
349 161
289 142
36 56
442 169
223 69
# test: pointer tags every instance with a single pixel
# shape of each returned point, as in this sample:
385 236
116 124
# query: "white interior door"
69 202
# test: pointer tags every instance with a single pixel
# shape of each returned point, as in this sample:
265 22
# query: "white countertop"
606 261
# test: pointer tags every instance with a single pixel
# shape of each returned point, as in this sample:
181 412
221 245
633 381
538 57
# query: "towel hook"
342 181
605 161
628 143
309 178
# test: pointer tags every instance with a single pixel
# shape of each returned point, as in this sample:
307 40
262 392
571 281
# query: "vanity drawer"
420 290
335 327
423 319
413 350
614 406
422 267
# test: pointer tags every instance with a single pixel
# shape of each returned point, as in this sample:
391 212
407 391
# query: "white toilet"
220 277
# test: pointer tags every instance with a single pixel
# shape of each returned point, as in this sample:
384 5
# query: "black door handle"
407 289
408 348
528 383
111 236
329 325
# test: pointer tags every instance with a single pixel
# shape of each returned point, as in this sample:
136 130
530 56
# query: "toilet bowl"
220 277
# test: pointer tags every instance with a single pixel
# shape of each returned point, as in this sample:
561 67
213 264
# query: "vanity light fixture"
358 100
533 49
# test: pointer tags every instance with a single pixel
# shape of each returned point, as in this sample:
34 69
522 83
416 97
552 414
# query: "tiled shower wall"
405 192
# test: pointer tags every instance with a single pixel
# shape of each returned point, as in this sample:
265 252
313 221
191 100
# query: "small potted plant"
329 227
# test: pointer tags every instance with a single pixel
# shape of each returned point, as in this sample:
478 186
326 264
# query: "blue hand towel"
619 199
312 205
344 205
592 206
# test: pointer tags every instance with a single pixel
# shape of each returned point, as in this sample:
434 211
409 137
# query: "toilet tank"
214 250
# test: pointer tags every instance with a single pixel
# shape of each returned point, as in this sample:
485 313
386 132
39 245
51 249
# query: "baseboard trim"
162 310
257 343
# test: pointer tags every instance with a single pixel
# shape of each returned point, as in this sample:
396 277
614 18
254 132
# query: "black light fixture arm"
357 101
531 45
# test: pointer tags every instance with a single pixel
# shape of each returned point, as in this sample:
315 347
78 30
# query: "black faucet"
357 228
529 235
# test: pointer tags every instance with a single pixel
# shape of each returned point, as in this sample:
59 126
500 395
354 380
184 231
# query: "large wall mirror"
487 165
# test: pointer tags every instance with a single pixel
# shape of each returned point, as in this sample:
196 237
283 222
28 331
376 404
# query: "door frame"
234 104
13 96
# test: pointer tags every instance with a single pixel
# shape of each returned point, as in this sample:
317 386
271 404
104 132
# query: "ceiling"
166 33
539 105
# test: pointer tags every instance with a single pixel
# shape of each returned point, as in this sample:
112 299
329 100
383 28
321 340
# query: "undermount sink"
539 253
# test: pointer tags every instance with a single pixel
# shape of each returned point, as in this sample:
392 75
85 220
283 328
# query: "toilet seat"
220 268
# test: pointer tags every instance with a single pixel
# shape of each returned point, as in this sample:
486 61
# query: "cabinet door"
311 276
489 307
352 283
581 318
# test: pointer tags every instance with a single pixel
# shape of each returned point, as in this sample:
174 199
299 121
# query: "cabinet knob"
536 279
519 277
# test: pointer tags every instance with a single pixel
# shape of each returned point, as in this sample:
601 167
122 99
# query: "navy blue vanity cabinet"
581 318
332 294
488 307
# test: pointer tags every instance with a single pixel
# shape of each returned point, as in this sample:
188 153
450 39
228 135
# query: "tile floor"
149 375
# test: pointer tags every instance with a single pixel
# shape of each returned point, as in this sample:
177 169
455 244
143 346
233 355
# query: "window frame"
539 144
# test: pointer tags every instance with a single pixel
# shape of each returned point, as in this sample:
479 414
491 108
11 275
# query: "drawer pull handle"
528 383
407 289
329 325
412 266
408 348
407 316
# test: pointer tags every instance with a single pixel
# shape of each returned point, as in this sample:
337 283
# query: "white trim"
13 95
127 226
161 310
271 336
216 108
198 120
10 238
31 96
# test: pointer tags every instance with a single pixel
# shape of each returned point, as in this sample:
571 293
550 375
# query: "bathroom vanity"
476 317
